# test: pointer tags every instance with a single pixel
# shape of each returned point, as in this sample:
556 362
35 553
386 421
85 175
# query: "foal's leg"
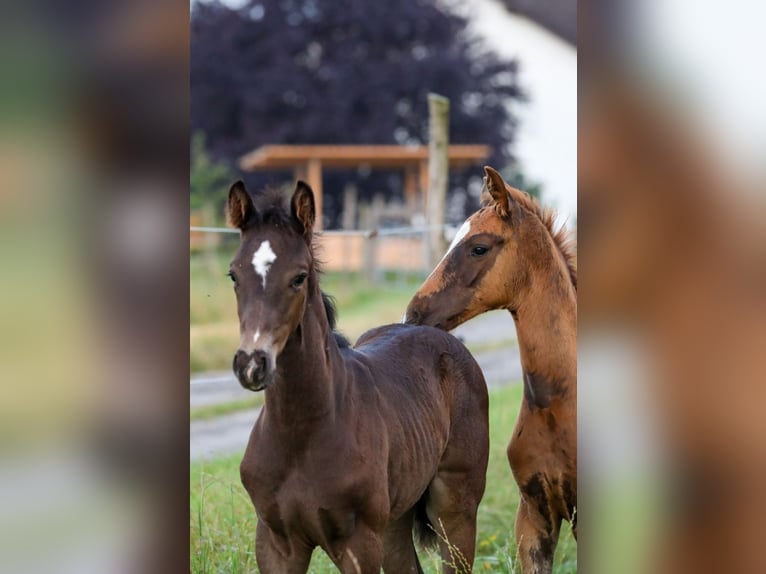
399 548
452 498
271 561
363 553
537 532
451 505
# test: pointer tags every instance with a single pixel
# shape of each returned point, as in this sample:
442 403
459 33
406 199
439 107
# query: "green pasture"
222 529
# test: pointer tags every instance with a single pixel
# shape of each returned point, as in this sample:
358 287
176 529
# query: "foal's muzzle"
431 311
253 370
420 313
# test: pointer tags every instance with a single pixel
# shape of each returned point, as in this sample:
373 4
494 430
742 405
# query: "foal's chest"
317 500
322 516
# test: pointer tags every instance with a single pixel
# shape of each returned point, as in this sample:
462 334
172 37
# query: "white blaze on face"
262 260
461 233
459 236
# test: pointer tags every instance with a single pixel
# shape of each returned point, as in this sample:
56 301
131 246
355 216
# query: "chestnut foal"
354 447
508 256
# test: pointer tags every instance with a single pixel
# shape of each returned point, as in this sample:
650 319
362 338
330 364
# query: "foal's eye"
479 250
298 280
230 275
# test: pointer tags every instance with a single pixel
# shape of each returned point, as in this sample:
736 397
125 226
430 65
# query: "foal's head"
491 260
273 273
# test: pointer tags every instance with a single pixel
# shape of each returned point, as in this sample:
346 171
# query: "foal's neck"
546 325
303 393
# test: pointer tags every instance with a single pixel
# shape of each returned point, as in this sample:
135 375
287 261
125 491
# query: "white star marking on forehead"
262 260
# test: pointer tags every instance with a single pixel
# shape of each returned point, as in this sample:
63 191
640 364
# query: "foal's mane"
563 239
272 207
329 307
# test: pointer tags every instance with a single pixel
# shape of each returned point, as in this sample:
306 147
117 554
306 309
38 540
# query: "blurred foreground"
672 290
93 227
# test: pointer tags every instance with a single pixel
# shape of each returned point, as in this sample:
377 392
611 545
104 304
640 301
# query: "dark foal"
508 256
354 447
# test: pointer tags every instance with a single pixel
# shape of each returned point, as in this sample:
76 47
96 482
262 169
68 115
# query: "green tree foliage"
208 179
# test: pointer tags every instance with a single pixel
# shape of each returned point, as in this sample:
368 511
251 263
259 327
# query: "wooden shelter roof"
349 156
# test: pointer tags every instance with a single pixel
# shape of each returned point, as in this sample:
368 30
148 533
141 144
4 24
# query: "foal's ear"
499 191
302 208
240 206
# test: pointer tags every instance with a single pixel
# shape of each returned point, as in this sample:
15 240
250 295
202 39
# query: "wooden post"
425 243
348 222
314 179
438 171
423 183
348 218
368 220
411 190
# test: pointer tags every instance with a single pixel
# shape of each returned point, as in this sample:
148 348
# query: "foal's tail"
425 533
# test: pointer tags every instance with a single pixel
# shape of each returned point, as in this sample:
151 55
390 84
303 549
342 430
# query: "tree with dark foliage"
345 72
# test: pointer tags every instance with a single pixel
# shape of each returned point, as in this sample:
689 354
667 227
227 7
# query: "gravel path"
228 434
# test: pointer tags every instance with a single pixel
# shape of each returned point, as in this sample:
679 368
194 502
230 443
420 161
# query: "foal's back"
419 356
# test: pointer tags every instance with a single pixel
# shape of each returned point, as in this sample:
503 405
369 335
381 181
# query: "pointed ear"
302 208
240 206
499 191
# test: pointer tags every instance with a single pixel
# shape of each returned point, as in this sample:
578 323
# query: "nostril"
239 362
251 368
261 361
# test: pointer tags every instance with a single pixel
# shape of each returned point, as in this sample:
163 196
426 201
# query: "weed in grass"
457 560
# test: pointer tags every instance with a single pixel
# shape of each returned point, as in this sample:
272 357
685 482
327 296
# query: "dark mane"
329 307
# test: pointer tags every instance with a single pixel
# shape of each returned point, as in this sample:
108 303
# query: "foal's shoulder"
377 334
399 332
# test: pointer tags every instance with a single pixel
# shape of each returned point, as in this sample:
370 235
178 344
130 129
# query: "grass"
213 326
222 529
